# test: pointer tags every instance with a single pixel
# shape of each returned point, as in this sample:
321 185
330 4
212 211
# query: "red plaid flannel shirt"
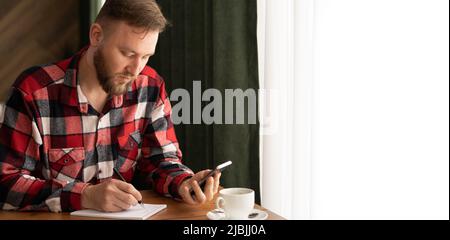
53 143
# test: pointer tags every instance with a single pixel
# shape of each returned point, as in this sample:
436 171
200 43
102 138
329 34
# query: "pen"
123 179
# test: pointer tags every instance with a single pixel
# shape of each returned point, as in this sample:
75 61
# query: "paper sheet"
134 213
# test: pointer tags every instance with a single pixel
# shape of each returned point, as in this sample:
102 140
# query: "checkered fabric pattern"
53 143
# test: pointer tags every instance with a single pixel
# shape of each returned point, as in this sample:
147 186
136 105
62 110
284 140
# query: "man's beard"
106 79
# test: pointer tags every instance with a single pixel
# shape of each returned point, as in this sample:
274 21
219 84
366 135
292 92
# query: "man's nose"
133 68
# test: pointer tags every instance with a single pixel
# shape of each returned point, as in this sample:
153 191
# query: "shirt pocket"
66 163
130 142
129 148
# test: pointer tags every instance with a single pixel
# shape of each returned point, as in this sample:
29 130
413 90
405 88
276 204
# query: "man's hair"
144 14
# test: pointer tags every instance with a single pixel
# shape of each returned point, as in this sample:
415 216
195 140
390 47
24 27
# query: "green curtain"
95 6
88 12
213 41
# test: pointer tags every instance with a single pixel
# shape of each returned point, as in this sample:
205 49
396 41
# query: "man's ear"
96 35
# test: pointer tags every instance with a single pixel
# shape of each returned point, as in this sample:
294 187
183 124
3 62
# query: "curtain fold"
286 30
214 42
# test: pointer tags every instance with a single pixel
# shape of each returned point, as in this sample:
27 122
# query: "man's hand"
110 196
211 188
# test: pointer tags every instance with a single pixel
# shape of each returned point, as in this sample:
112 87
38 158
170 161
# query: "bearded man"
87 132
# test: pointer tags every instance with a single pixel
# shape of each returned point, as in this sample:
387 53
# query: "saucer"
219 214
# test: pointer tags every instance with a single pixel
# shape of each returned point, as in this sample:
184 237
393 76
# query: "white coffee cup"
236 202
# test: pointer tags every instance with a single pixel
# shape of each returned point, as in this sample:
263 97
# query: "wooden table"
175 211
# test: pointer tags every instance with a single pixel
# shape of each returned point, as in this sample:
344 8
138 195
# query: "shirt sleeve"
161 164
20 143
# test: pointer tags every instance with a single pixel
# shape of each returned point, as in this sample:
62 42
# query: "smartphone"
218 169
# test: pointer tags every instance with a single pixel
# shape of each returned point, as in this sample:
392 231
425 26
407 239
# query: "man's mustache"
127 75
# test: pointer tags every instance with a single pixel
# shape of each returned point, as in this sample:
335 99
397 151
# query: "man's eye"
127 54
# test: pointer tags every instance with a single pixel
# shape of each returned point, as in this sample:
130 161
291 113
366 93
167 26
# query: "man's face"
122 55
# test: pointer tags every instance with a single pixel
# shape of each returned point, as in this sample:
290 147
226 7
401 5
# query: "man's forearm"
26 193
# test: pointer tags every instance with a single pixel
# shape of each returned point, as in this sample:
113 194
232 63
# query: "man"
68 127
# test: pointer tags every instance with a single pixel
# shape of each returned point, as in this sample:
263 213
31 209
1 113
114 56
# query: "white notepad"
137 212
